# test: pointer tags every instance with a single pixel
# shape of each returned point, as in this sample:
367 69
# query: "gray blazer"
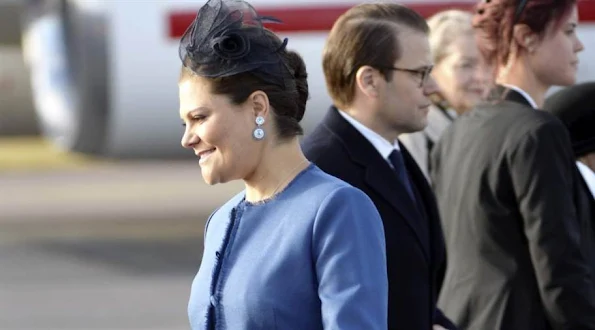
516 220
420 144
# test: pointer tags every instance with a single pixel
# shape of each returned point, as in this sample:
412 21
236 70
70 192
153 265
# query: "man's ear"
367 80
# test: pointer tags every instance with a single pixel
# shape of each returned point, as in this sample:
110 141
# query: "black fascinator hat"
226 38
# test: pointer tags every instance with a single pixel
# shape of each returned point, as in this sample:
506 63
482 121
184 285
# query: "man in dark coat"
377 62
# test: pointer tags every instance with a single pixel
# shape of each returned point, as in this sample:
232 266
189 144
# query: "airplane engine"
104 73
89 96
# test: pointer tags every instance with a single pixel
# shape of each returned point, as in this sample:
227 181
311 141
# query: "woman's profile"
298 248
517 228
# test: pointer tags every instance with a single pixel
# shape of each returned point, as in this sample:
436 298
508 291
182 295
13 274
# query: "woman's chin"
208 178
212 179
210 183
471 100
568 81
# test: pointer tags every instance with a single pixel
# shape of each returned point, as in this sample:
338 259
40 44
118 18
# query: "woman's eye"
195 118
199 117
467 65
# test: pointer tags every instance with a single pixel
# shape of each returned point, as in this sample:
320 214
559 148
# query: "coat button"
213 300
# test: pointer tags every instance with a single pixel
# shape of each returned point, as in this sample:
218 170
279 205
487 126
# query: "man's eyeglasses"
423 73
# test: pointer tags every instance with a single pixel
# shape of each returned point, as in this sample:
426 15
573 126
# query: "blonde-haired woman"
461 74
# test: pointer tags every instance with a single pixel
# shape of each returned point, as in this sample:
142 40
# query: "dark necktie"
396 158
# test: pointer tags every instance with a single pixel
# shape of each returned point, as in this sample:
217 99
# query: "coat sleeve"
541 174
349 252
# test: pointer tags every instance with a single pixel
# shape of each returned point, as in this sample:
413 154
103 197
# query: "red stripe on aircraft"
320 19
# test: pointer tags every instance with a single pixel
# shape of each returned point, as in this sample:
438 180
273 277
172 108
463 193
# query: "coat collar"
378 174
502 93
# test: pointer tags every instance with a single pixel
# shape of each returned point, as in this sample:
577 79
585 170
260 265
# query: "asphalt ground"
96 244
46 193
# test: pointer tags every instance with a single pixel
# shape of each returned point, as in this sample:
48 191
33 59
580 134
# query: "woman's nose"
189 139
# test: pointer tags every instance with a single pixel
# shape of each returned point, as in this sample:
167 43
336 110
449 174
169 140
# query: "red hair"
494 21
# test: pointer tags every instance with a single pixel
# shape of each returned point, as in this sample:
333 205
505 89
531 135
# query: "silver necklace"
287 177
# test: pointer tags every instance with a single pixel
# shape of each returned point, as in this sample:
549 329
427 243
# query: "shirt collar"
588 175
381 144
523 93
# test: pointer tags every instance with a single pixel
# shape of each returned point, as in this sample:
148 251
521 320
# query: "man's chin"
422 125
411 130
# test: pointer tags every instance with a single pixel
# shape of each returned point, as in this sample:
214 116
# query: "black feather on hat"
575 107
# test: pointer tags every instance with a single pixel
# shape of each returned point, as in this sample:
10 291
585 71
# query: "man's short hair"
365 35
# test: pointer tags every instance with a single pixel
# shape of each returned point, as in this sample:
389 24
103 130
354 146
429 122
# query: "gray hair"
445 27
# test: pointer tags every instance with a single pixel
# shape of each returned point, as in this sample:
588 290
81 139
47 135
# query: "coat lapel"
429 204
379 176
502 93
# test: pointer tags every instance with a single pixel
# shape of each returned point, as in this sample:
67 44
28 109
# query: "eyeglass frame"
423 72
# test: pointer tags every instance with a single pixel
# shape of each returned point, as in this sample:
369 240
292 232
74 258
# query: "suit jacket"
589 199
414 241
589 186
516 221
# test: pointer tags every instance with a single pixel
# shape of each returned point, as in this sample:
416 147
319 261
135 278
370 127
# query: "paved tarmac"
102 246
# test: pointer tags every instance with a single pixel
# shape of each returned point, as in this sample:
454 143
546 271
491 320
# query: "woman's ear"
259 103
524 37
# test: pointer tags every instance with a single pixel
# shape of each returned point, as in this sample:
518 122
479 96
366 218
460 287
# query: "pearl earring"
258 132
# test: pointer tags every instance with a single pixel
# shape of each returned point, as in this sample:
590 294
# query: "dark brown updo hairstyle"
244 57
494 21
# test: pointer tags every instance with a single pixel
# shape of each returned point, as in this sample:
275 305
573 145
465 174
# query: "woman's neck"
520 75
277 168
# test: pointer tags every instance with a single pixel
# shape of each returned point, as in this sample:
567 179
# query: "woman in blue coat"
298 248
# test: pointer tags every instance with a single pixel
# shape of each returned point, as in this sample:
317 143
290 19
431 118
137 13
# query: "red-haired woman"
518 236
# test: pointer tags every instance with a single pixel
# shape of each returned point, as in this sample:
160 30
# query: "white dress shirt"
523 93
589 176
381 144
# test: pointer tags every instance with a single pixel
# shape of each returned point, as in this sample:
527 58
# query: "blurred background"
101 211
92 238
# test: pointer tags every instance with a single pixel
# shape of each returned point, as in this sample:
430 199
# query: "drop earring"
258 132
